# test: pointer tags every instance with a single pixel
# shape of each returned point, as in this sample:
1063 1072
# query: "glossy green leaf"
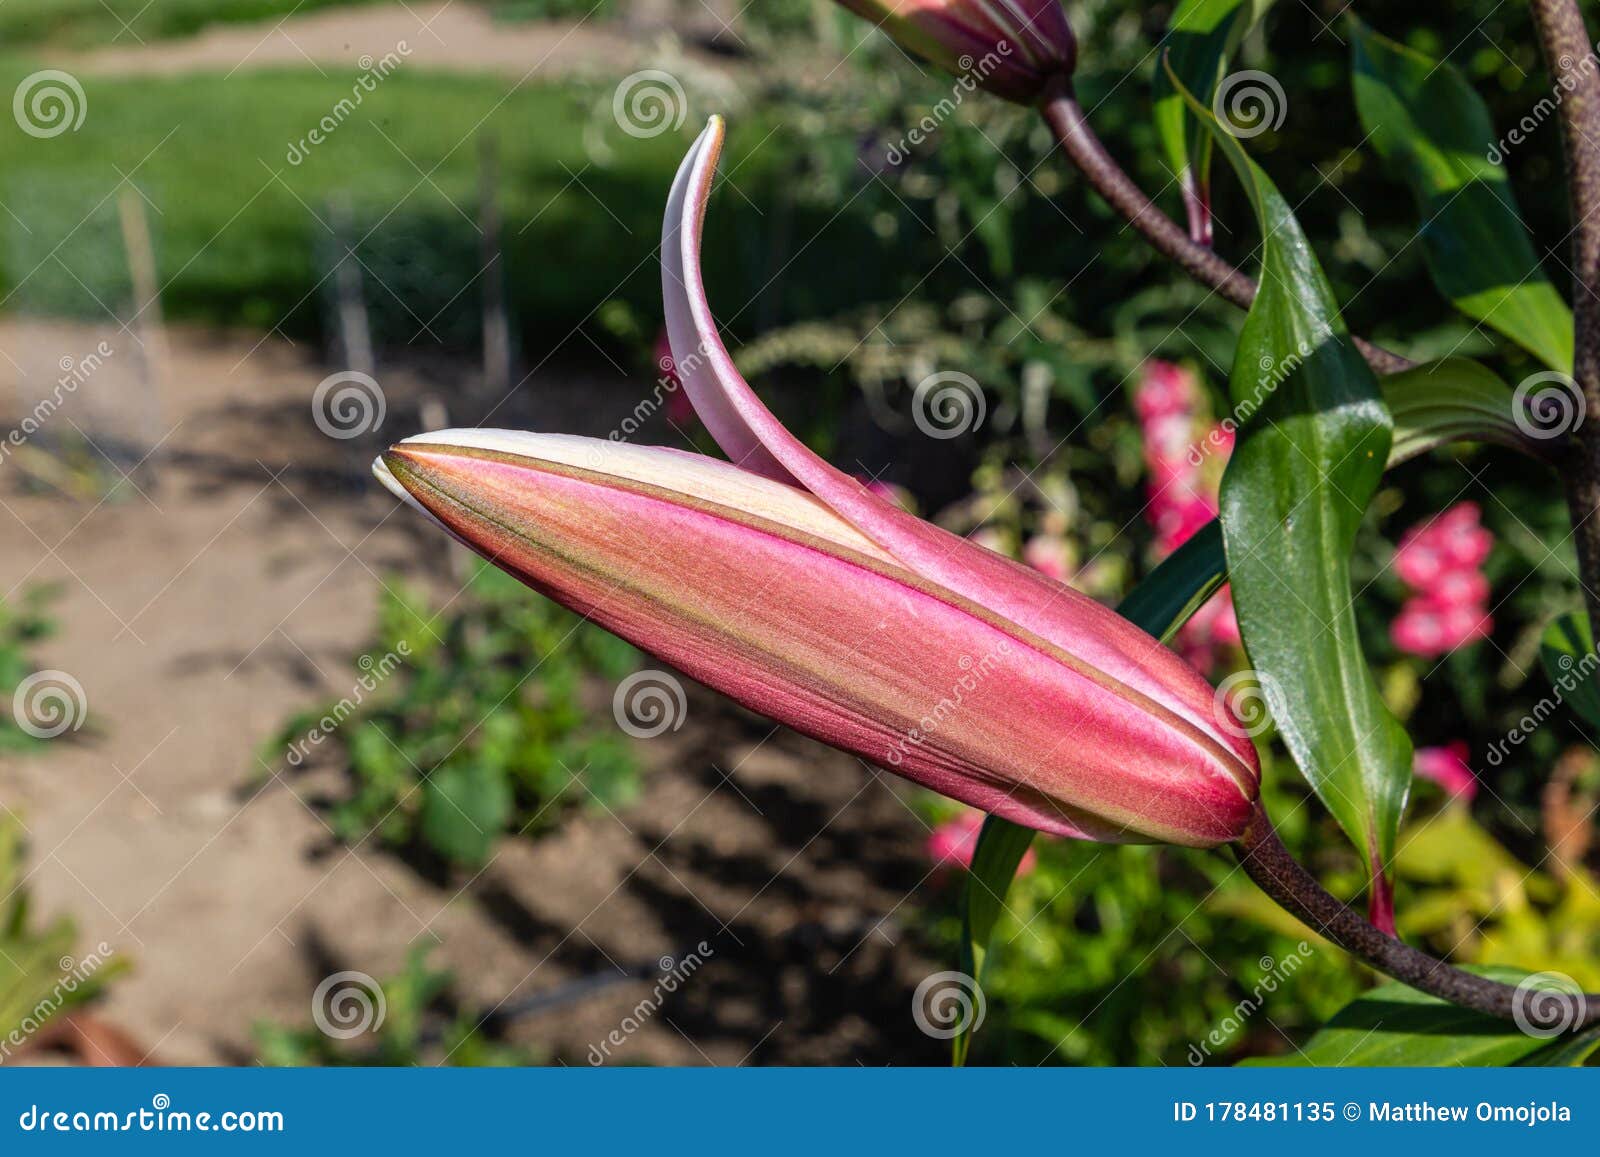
1455 400
1000 848
1425 120
1161 604
1396 1025
1567 652
1180 586
1201 39
1310 455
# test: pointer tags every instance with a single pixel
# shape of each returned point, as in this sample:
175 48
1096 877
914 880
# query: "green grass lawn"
240 229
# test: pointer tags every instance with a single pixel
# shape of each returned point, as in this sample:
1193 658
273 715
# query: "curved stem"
1082 146
1267 862
1566 48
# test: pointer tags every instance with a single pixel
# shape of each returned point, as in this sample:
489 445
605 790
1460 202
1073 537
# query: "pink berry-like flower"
1447 766
953 842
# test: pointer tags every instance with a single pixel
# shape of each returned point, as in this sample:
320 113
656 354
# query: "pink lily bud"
1010 48
788 586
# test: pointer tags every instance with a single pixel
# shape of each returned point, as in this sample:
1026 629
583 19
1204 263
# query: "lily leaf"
1567 652
1309 457
1396 1025
1456 400
1160 604
1201 39
1423 118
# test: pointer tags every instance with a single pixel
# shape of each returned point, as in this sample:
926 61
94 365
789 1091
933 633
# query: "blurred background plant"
482 718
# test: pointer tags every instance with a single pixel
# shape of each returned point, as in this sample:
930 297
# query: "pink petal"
753 438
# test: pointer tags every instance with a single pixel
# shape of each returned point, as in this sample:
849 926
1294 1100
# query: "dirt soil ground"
452 35
229 588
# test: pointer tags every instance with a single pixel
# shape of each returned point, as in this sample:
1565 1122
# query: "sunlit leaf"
1423 117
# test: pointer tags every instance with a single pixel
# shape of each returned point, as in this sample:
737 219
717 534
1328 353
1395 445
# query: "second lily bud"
1011 48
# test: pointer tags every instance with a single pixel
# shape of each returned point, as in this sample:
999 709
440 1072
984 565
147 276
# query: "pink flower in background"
1184 461
953 842
1447 766
1051 556
1439 561
1165 389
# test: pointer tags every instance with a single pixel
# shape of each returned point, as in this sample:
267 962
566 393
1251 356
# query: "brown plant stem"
1084 149
1266 861
1569 54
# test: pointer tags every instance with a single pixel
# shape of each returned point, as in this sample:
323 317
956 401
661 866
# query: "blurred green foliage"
22 626
418 1025
470 721
39 977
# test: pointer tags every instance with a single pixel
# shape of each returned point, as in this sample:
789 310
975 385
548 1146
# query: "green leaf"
1396 1025
464 807
1309 457
1180 586
1567 652
1201 39
1161 604
1001 846
1455 400
1423 117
